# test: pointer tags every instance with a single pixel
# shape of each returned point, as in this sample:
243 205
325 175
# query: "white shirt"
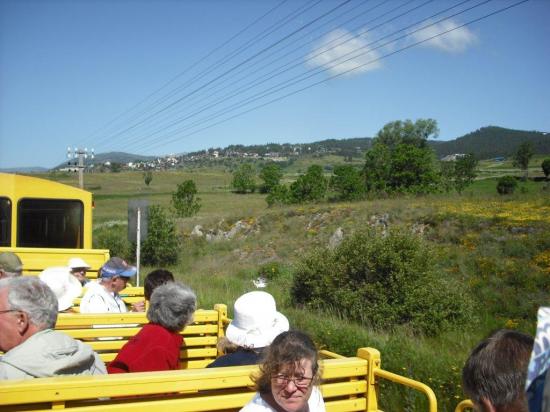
257 404
98 300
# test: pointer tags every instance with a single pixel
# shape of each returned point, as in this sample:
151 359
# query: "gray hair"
32 296
172 306
497 368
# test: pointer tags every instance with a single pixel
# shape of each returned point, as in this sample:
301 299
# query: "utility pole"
81 154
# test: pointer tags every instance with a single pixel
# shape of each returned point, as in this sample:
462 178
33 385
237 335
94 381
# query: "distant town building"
452 157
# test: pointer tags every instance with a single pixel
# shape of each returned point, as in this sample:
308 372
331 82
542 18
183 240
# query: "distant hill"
492 141
487 142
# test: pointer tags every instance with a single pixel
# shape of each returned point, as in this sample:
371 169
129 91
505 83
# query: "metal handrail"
465 404
411 383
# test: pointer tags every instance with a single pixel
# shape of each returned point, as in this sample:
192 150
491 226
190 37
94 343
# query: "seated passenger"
255 324
78 269
538 372
156 278
494 373
64 285
152 280
103 296
10 265
288 377
157 345
28 312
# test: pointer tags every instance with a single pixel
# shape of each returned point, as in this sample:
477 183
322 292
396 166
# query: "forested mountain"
492 141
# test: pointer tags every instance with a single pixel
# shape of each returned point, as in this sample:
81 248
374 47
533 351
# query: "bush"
243 179
348 183
382 282
184 201
162 243
310 187
279 194
506 185
113 238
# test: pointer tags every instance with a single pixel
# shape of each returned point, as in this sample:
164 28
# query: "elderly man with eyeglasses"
32 349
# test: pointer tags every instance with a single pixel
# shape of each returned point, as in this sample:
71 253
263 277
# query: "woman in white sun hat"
64 285
78 268
255 324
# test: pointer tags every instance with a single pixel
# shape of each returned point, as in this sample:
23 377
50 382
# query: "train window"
5 221
50 223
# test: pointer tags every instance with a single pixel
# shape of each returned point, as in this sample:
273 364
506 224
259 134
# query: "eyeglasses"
300 381
9 310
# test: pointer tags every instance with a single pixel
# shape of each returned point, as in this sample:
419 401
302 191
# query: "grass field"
498 246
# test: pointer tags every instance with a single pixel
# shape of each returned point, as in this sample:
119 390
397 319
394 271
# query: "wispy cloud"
344 57
455 41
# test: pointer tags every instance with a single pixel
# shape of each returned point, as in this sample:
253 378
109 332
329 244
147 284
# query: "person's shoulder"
238 358
257 404
316 402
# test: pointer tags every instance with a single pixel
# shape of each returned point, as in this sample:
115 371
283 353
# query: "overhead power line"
315 71
472 21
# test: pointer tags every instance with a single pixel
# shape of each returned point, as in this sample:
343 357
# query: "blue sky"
95 73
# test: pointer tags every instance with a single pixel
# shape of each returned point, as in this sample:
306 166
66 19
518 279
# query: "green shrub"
113 238
184 201
382 282
310 187
162 243
279 194
506 185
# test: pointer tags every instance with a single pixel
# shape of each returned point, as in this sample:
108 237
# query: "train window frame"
5 241
22 241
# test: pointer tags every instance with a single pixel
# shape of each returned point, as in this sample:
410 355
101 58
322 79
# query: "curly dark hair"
285 352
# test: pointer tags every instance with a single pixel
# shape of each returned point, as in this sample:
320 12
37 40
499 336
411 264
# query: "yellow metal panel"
88 319
37 259
339 368
347 405
332 390
198 353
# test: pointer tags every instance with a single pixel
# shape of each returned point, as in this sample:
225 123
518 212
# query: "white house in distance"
452 157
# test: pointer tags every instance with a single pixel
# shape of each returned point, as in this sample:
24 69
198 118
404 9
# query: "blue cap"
117 267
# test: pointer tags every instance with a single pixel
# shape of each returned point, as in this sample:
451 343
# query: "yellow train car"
46 222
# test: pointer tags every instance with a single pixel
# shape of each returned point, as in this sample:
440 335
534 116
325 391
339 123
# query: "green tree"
162 243
464 172
243 179
522 157
116 167
184 200
400 158
310 187
546 167
347 182
147 177
271 174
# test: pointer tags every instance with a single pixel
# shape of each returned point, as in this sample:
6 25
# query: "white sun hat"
256 321
63 284
76 262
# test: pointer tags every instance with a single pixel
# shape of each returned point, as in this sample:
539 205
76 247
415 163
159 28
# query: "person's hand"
138 306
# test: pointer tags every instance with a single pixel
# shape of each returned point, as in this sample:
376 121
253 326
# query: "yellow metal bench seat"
107 333
213 389
348 384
